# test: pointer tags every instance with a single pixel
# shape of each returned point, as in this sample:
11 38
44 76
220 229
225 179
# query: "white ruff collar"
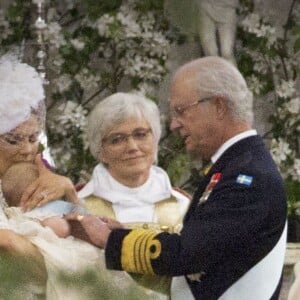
103 185
137 202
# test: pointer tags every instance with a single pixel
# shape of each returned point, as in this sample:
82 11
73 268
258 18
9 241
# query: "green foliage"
293 194
18 16
270 60
99 8
172 157
17 276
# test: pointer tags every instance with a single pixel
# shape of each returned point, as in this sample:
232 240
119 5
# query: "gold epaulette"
139 247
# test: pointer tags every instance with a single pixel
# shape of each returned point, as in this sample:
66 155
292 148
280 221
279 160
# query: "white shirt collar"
232 141
130 204
102 184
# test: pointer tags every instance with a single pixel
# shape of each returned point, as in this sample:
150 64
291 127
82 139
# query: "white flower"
70 115
54 36
57 61
87 80
260 66
296 170
251 23
77 44
63 83
286 89
106 51
293 106
131 27
254 84
270 33
280 150
84 137
62 156
144 88
142 67
103 25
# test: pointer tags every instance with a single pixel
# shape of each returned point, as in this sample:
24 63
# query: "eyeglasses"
17 140
118 139
178 111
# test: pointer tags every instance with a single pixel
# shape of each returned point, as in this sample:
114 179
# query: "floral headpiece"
21 91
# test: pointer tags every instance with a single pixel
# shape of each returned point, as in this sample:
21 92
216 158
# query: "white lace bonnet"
21 90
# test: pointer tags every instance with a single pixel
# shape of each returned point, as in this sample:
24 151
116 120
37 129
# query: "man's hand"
97 230
111 224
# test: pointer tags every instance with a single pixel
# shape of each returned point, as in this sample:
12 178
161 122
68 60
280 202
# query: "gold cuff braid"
138 249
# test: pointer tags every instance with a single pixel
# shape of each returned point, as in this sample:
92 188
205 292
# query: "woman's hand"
49 186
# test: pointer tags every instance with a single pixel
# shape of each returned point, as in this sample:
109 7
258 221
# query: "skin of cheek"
117 161
124 167
10 155
202 138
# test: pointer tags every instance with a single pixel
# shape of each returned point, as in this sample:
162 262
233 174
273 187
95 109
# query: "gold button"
164 228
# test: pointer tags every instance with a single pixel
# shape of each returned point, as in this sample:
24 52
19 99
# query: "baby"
14 182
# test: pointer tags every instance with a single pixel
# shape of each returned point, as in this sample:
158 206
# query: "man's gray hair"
215 76
116 109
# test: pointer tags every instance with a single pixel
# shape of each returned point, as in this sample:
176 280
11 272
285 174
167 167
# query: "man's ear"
221 107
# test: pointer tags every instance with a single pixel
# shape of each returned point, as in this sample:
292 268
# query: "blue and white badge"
244 179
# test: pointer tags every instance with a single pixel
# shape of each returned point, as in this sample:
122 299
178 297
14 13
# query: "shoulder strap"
269 267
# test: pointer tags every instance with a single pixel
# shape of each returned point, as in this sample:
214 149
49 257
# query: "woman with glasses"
124 131
22 118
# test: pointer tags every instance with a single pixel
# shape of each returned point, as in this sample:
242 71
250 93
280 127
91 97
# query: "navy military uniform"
236 217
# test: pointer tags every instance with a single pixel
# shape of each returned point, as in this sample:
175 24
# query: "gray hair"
116 109
215 76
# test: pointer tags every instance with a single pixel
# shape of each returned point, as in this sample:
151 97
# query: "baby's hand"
60 226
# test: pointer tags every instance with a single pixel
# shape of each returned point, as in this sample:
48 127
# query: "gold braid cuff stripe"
138 249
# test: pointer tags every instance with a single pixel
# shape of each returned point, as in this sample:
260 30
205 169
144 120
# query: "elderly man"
233 238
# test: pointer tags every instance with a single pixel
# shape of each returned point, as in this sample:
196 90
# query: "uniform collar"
231 142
